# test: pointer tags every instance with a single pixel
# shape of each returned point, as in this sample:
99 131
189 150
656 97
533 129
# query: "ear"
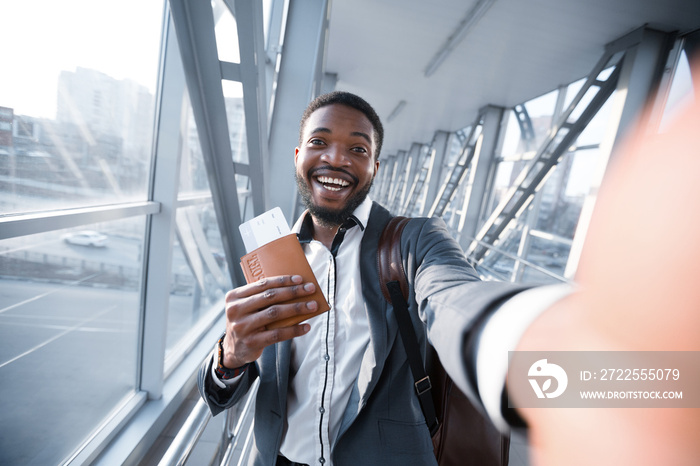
376 167
296 155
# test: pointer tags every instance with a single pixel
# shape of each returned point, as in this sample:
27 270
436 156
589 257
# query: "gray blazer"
383 423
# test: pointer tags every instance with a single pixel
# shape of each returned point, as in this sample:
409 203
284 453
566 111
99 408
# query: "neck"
324 232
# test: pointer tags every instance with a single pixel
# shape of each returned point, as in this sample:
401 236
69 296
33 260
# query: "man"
337 388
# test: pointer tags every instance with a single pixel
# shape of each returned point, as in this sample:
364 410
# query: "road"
68 355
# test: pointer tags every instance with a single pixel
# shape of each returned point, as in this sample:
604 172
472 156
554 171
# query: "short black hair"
352 101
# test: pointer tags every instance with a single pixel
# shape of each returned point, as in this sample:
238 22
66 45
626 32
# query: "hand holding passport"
274 250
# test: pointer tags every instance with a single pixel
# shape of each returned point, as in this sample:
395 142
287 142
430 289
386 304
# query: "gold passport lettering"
255 268
283 256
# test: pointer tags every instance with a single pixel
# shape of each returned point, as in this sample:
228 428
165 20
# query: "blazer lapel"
383 328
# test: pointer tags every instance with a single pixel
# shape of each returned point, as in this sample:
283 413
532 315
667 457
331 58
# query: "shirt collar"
304 227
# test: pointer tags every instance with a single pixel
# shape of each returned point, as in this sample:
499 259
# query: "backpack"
461 434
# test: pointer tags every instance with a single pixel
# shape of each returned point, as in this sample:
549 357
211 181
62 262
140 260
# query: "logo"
542 370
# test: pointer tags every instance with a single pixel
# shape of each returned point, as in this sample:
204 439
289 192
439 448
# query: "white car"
87 238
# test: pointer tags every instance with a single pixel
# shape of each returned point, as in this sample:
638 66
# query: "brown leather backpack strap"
389 262
394 284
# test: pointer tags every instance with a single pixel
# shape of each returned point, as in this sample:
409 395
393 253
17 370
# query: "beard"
330 217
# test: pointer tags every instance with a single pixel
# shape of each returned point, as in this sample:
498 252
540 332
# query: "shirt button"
321 460
326 357
321 410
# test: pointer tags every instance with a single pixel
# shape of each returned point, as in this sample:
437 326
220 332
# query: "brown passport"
283 256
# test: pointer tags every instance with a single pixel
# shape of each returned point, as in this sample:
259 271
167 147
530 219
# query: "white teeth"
326 180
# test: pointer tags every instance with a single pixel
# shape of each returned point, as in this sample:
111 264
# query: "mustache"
312 171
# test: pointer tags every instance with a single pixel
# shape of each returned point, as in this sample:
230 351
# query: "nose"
335 156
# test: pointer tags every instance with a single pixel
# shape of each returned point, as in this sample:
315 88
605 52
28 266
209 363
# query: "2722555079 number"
639 374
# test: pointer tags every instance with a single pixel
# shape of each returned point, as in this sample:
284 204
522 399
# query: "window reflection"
76 115
69 319
95 151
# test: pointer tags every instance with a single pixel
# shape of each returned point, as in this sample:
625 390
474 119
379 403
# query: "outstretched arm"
639 291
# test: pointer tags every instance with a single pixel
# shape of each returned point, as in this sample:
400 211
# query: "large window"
77 106
544 233
69 321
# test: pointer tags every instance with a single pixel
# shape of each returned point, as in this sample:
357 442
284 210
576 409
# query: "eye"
316 142
359 149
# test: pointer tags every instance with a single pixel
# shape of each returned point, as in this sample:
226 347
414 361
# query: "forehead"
339 119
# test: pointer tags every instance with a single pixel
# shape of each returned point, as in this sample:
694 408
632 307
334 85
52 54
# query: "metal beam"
382 183
298 82
12 226
439 152
416 161
534 210
398 178
567 129
449 186
482 168
641 72
194 25
165 181
251 43
273 52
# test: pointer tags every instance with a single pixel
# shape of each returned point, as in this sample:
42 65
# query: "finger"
251 315
272 336
251 289
239 303
252 338
272 296
262 285
280 312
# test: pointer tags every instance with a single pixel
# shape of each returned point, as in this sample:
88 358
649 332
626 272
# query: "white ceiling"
520 49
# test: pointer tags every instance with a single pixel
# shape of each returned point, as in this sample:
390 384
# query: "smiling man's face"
335 163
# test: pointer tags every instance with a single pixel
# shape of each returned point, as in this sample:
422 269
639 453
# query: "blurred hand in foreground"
639 290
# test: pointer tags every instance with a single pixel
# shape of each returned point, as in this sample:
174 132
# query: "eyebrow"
323 129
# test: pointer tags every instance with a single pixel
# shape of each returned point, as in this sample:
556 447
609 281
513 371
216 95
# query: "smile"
332 184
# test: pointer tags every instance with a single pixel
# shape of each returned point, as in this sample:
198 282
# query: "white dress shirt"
326 361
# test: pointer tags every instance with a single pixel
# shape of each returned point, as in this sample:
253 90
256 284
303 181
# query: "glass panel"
541 110
226 31
235 115
513 144
79 103
553 216
69 320
572 91
681 93
200 274
193 173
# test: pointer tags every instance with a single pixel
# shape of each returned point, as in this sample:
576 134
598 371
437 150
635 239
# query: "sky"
120 38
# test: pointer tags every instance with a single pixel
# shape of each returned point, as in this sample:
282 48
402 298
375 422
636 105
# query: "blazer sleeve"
217 398
451 298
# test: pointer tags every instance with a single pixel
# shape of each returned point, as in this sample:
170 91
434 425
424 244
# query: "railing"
237 422
237 419
188 436
518 260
